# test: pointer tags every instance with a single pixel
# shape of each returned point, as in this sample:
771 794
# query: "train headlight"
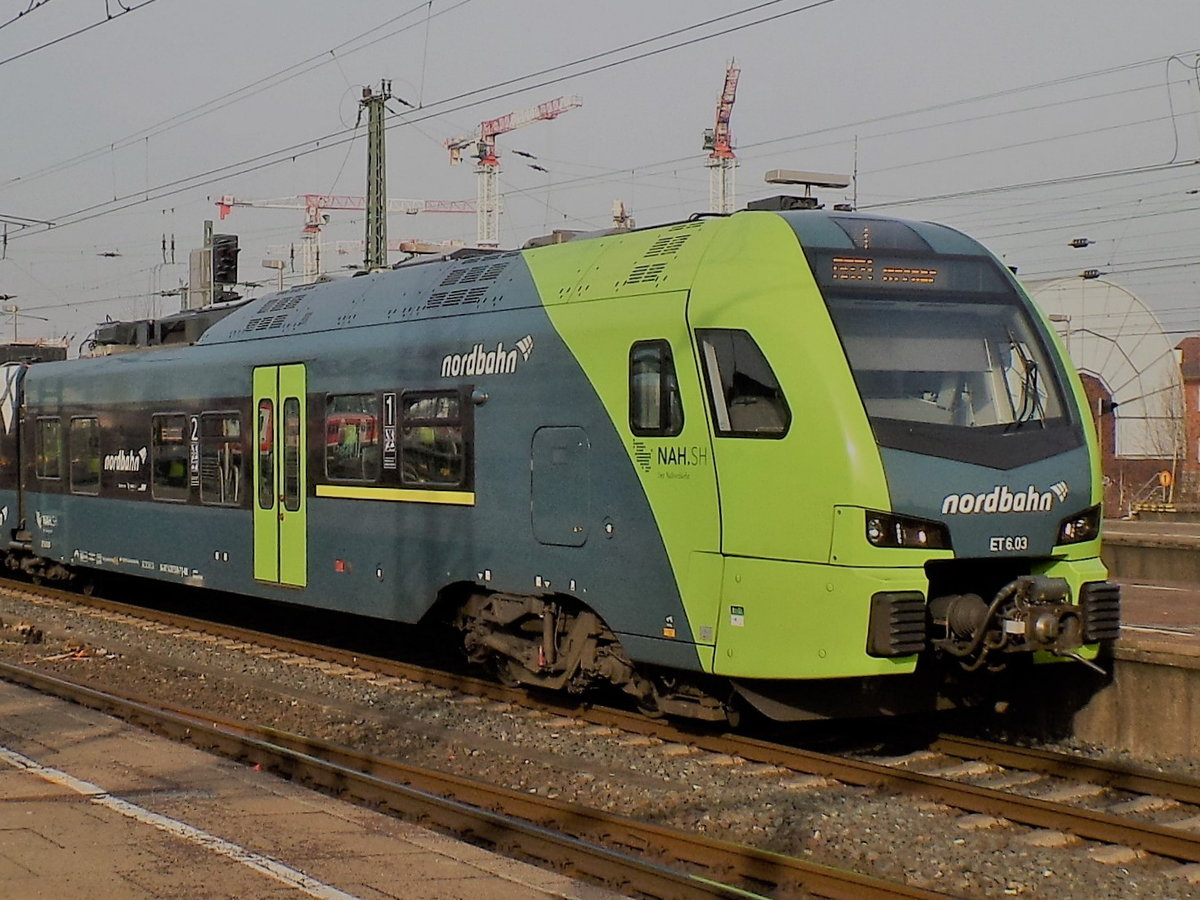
887 530
1080 527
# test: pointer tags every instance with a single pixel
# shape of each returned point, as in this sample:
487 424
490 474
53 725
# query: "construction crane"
488 168
315 218
719 141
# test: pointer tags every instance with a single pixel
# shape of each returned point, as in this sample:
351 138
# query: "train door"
280 479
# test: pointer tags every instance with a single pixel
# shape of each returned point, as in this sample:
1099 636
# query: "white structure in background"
1111 335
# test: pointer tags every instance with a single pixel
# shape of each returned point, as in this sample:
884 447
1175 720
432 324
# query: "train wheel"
502 669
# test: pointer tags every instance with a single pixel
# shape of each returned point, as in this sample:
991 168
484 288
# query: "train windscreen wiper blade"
1031 400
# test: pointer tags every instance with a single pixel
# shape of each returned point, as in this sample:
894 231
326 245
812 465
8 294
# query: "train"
803 461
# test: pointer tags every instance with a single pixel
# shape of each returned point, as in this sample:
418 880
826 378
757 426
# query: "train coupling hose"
1032 612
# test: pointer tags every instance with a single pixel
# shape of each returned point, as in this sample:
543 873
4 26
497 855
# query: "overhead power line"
33 7
1028 185
466 100
253 88
112 17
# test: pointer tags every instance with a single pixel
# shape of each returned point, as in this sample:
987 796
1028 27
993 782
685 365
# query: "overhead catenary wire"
314 145
223 101
34 6
469 100
683 177
112 17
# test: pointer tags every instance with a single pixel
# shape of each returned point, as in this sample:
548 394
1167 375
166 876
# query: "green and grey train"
823 463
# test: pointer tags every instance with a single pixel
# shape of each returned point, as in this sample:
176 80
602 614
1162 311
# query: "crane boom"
316 202
722 138
313 204
489 128
719 142
488 167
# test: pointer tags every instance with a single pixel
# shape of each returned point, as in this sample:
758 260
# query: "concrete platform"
91 807
1152 707
1152 550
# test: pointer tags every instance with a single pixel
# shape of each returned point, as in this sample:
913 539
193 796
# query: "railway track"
612 850
1150 812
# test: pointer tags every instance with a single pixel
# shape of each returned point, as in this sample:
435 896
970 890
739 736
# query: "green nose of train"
863 451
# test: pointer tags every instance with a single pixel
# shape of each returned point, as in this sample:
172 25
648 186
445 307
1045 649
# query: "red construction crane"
488 167
719 141
314 217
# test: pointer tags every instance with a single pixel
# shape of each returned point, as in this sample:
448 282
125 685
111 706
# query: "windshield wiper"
1031 400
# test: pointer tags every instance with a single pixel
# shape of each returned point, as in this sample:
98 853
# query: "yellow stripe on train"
396 495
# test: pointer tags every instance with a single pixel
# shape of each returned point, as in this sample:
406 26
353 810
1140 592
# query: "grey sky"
947 98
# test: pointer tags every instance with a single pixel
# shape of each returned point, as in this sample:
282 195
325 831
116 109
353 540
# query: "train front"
984 557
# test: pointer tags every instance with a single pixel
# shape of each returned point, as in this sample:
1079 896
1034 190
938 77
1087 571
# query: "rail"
1097 825
561 834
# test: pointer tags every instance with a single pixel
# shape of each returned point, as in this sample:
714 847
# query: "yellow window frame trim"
396 495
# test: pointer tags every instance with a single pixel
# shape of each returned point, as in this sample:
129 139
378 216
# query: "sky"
1026 124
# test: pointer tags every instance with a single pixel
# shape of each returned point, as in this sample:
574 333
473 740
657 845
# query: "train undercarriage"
963 643
559 644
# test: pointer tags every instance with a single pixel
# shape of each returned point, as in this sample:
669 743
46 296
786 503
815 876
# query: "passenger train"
820 463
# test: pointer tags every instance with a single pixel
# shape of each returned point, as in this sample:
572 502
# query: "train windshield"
950 363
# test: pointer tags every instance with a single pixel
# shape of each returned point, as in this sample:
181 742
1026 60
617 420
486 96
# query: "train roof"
470 284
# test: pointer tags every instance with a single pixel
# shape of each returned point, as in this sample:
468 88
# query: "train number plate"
1009 543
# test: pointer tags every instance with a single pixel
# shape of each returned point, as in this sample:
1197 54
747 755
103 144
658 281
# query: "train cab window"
654 406
220 458
292 486
169 457
266 454
433 450
352 437
47 448
745 395
84 441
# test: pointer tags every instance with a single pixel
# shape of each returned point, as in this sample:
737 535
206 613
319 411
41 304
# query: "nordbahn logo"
481 361
1001 499
125 460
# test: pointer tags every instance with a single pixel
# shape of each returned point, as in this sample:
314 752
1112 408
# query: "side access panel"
561 486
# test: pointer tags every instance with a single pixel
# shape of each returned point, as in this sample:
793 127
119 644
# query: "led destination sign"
925 272
858 268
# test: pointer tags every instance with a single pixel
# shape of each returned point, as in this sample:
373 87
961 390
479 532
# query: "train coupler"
1030 613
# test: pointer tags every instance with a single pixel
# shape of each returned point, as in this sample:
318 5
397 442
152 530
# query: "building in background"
1132 374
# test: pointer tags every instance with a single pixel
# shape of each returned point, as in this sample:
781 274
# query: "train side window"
220 458
654 405
291 454
743 391
433 450
352 437
84 441
266 454
47 449
169 457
